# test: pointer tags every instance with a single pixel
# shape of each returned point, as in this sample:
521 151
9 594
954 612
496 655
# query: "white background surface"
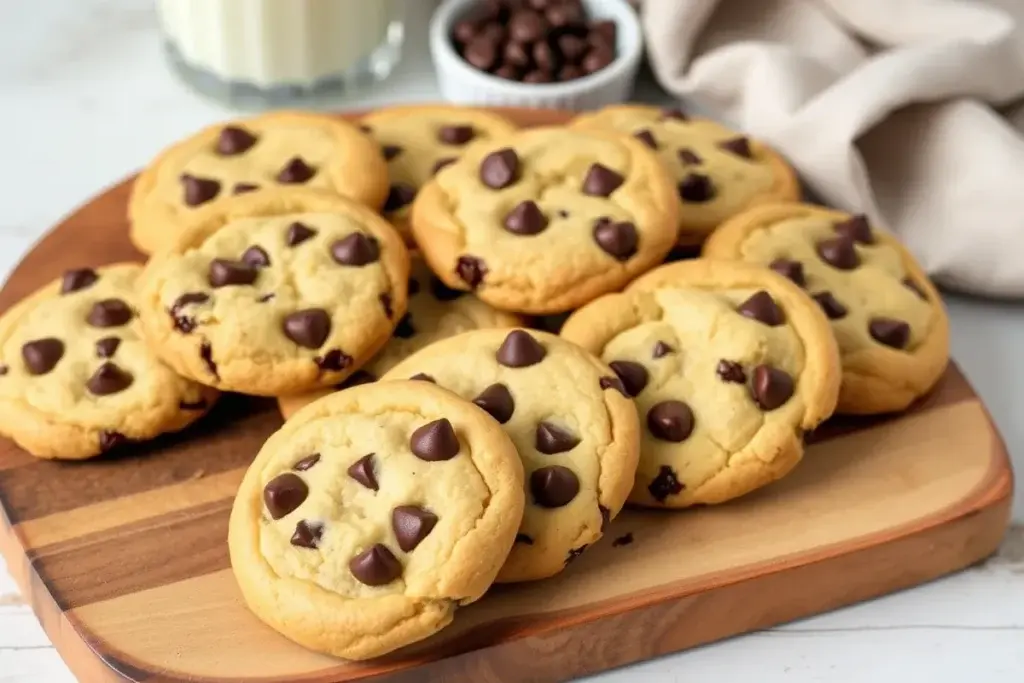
85 98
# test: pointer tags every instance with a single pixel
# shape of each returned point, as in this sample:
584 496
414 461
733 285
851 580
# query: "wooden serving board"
125 561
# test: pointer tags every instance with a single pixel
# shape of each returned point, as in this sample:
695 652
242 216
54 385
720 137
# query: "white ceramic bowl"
462 83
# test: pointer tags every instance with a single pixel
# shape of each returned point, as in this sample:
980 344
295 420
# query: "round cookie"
892 328
76 378
729 365
417 141
544 220
372 515
435 312
575 432
276 293
718 172
276 150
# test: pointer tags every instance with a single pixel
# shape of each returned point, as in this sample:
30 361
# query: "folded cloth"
884 106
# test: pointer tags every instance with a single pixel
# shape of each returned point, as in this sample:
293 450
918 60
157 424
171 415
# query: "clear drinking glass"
273 53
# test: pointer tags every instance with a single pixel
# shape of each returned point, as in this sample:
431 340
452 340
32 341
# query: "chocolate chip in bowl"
571 54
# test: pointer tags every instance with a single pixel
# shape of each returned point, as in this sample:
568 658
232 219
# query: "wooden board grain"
124 558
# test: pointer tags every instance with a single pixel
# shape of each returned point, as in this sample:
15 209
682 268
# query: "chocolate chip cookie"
76 378
434 312
277 150
729 364
276 293
718 172
372 515
418 141
576 433
543 220
892 328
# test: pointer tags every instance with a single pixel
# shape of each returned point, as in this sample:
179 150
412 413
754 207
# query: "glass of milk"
270 53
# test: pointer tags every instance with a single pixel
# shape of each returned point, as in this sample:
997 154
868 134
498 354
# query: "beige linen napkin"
884 106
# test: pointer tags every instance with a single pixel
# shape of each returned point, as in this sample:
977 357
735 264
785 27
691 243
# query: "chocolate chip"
358 377
619 240
665 484
516 56
441 163
295 172
520 350
464 31
524 539
670 421
508 72
193 405
385 303
915 288
481 52
256 257
435 441
4 369
731 371
598 58
633 375
390 151
376 566
890 332
762 308
500 169
298 233
206 353
362 470
110 440
570 72
184 323
413 288
625 539
646 137
356 249
696 188
573 554
234 140
307 534
41 355
526 219
109 313
550 439
443 292
554 487
833 309
839 253
674 114
601 181
107 347
334 360
856 229
75 280
306 463
792 270
404 329
739 146
399 195
537 76
661 349
606 516
472 270
572 47
423 377
544 57
225 273
527 26
497 401
242 188
284 494
604 30
456 135
198 190
308 328
108 379
613 383
771 387
411 524
688 157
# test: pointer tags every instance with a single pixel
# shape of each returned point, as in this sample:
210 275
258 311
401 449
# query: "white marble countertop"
85 98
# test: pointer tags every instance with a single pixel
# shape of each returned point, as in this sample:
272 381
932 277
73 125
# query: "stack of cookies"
472 329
